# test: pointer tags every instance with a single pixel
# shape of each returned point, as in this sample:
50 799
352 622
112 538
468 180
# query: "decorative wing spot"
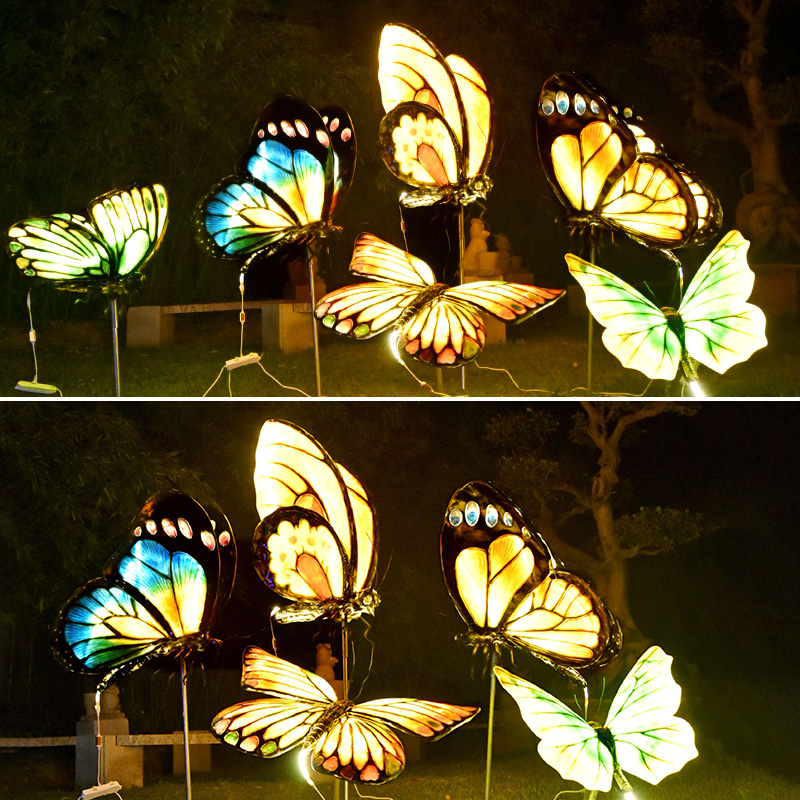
185 528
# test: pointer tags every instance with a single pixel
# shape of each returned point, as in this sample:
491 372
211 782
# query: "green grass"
545 355
520 776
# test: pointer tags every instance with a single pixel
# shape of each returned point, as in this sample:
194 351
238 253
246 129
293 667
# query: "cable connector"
37 388
112 787
242 361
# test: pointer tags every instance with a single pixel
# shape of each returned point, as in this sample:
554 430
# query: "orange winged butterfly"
286 186
437 132
435 323
510 590
591 159
317 540
160 593
344 739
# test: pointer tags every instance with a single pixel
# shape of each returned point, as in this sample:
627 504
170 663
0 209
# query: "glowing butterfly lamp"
159 595
286 185
104 251
713 324
641 734
512 593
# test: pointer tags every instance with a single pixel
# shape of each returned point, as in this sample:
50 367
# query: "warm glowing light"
696 389
302 757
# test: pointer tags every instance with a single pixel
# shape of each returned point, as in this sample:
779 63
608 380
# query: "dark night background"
725 606
95 95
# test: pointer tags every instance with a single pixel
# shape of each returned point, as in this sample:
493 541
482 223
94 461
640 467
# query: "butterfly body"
287 183
316 543
713 323
641 735
591 159
344 739
123 229
159 595
508 588
435 323
437 132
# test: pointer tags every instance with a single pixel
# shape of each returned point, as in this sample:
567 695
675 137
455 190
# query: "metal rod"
310 248
590 331
112 303
461 250
345 677
490 734
186 731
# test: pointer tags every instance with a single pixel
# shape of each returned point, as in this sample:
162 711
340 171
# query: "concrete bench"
285 324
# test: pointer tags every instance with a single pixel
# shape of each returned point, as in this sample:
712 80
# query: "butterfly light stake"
159 595
512 593
606 181
350 741
316 544
286 186
713 324
430 322
641 735
104 250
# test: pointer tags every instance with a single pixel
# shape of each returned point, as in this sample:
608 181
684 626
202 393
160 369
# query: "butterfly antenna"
402 220
272 631
371 659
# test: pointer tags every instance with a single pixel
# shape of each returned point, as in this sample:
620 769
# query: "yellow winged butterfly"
591 159
437 132
713 323
347 740
317 541
509 589
435 323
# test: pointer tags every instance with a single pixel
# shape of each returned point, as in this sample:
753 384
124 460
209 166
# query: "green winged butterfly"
123 229
641 734
713 323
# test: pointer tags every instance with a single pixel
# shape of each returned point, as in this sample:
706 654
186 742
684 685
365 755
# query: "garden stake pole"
490 734
311 258
345 674
461 250
185 731
112 304
590 332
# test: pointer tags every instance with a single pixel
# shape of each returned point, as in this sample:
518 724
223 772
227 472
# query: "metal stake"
461 249
490 735
112 303
311 256
185 731
590 332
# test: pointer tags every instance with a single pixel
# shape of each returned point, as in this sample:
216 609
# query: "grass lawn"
545 355
519 776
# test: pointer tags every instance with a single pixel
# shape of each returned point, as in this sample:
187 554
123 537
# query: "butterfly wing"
270 727
63 247
636 332
568 743
438 127
508 302
285 185
160 592
592 161
293 470
131 222
720 327
360 747
650 741
504 583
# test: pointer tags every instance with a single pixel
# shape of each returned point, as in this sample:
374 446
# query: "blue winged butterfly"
159 594
286 185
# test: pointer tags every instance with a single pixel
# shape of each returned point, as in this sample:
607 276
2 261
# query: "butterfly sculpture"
591 159
641 734
437 132
350 741
107 248
286 185
434 323
317 541
159 594
510 590
713 323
